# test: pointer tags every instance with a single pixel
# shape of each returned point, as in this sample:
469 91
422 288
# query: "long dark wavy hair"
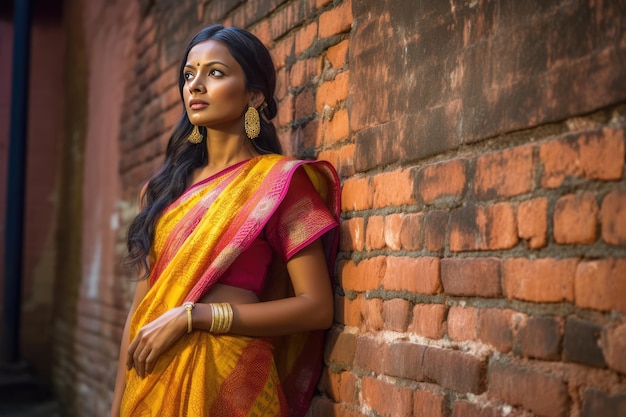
182 157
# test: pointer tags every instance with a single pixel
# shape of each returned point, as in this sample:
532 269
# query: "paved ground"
21 395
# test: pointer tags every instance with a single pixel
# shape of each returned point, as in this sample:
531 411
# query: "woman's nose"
196 85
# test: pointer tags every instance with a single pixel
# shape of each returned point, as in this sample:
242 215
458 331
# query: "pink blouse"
300 219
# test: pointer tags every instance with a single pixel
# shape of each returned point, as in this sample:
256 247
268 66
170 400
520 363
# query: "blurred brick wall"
481 148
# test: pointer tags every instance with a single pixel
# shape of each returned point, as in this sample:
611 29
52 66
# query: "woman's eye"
188 75
216 73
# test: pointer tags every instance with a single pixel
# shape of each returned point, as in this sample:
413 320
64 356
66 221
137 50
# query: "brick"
435 229
580 343
613 218
532 222
593 155
385 399
613 345
463 323
601 284
455 370
340 348
348 311
356 195
304 104
597 403
404 360
415 275
372 315
375 233
393 189
330 383
495 327
336 20
305 37
541 280
285 111
282 50
544 394
428 320
367 354
576 219
342 159
504 174
333 92
303 72
366 275
444 182
540 338
337 128
467 409
479 277
392 228
427 404
352 236
492 227
396 314
411 231
337 55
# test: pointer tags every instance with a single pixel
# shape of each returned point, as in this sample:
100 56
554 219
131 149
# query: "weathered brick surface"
496 327
396 314
532 222
613 345
613 218
404 360
540 337
598 403
463 323
471 277
386 399
595 155
542 393
580 343
458 371
416 275
446 180
504 174
428 320
575 219
435 230
427 404
483 228
601 284
542 280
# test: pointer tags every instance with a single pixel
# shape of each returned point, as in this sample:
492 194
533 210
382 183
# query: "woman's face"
215 92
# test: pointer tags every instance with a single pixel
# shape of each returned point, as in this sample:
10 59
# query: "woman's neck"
225 149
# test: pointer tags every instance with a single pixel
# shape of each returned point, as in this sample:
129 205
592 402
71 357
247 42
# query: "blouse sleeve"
300 219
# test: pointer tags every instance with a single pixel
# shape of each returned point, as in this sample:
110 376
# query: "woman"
235 243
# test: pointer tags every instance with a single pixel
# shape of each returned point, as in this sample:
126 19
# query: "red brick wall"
480 144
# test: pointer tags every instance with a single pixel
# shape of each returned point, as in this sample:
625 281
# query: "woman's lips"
197 104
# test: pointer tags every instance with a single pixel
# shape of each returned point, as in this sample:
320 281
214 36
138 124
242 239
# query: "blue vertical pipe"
14 221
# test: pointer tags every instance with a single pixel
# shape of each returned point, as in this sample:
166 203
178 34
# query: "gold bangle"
222 317
189 306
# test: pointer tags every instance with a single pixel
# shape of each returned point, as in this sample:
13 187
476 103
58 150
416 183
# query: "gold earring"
252 123
195 136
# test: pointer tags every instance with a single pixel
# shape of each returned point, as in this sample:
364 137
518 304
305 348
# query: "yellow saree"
196 239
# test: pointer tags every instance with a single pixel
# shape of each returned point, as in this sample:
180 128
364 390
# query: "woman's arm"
311 308
120 381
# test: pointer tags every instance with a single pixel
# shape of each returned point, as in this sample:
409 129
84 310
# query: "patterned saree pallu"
197 238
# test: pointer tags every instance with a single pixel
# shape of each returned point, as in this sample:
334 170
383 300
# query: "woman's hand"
155 338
